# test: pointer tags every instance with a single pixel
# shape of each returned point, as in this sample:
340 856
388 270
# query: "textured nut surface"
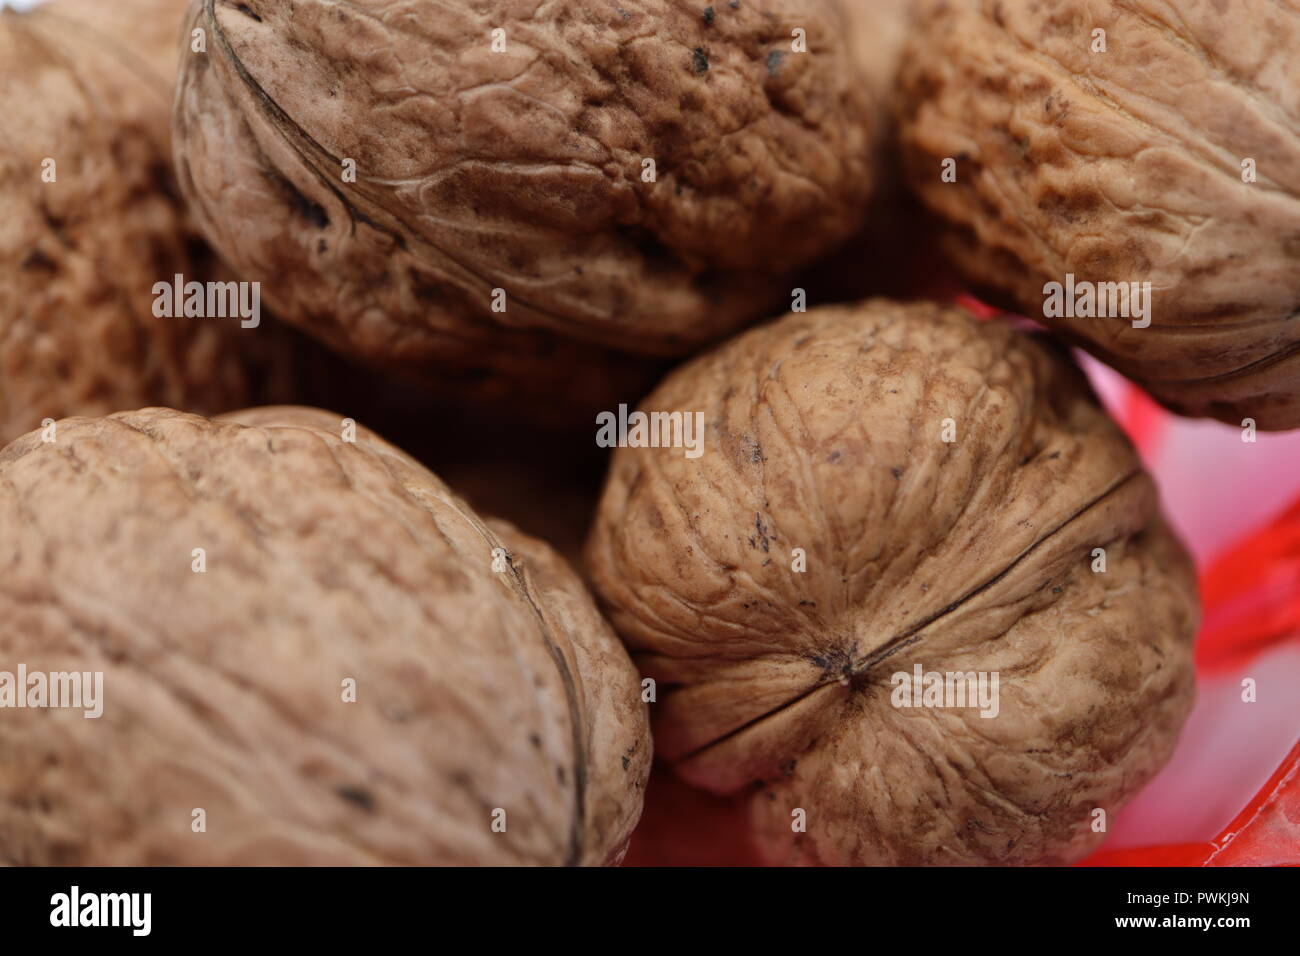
1126 166
89 86
325 560
824 433
522 170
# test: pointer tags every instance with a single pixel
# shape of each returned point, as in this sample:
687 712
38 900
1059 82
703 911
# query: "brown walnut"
476 689
825 432
1127 166
522 170
88 85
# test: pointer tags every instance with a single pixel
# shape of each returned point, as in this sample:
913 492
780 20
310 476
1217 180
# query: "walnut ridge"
325 560
824 434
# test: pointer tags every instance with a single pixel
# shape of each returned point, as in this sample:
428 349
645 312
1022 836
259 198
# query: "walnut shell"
1127 166
142 33
877 34
325 560
824 432
522 170
79 256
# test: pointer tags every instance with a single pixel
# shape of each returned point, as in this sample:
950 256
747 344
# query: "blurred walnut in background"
92 221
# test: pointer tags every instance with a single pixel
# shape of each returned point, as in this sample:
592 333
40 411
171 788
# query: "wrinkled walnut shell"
1126 166
824 433
79 256
325 560
522 170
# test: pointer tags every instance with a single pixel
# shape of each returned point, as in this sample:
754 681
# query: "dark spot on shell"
56 225
64 854
699 60
773 62
36 259
836 661
304 207
1070 207
708 15
360 796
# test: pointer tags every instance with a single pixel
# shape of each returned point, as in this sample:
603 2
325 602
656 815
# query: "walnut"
323 561
1131 142
885 487
91 222
429 185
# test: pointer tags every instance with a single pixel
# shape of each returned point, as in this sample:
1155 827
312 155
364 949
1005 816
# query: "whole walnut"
92 221
883 488
482 699
430 185
1126 142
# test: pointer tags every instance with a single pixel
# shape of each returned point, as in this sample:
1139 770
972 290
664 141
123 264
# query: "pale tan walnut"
89 86
1127 166
877 34
523 170
825 432
325 561
143 33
